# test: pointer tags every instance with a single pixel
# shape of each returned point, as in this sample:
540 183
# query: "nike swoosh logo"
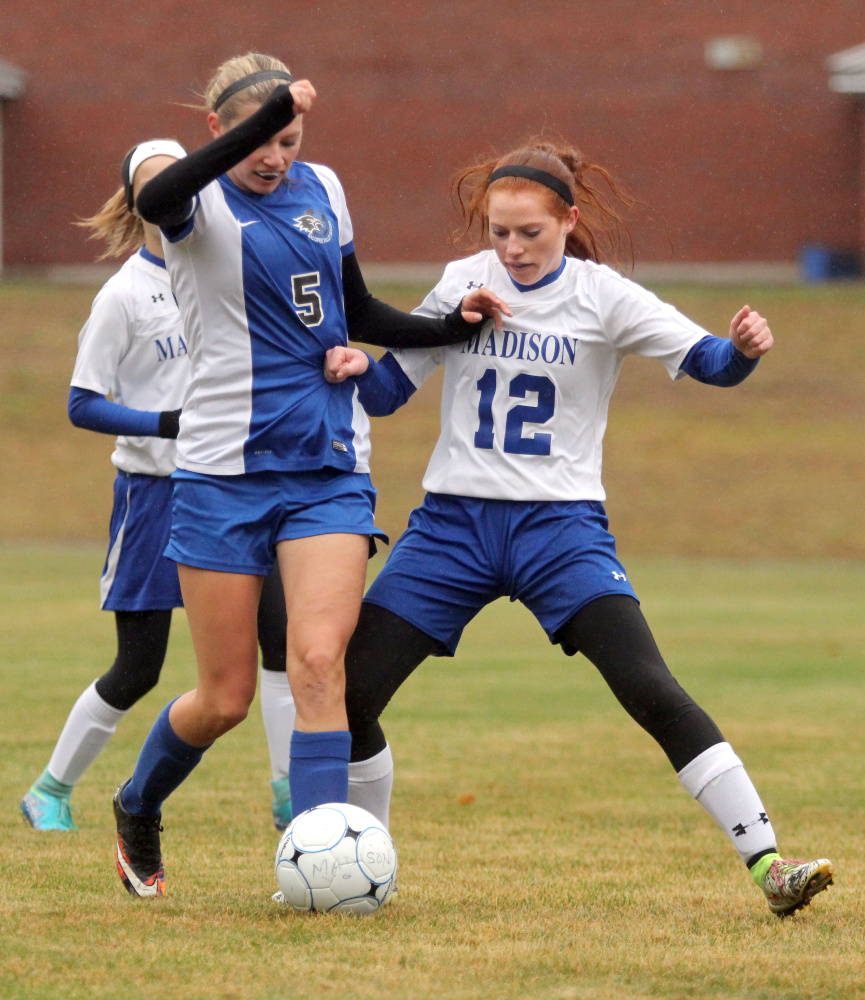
242 224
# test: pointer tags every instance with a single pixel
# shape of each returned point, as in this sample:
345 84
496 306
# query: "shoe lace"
148 853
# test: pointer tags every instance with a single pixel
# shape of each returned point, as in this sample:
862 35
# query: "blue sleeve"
383 387
715 361
94 412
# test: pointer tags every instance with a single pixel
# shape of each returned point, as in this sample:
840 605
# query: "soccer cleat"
791 885
139 856
44 811
281 803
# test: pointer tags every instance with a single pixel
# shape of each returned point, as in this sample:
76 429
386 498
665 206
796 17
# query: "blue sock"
164 763
318 771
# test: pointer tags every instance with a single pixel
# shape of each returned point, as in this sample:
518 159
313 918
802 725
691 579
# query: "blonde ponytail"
116 225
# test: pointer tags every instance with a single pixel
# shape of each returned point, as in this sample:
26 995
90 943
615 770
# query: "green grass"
575 867
546 848
772 469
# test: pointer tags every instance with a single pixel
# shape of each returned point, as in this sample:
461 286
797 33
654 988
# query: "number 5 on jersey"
307 301
540 413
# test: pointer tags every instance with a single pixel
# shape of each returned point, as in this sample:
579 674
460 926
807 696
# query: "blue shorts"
232 523
137 576
460 553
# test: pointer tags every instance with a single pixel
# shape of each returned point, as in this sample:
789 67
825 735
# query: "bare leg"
323 577
222 610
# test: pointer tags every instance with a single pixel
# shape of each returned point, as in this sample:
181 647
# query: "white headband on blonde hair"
144 151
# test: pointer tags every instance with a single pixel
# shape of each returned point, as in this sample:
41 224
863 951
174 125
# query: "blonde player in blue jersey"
133 349
271 458
515 502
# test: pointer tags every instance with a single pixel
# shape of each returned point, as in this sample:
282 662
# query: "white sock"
370 783
718 781
90 726
277 711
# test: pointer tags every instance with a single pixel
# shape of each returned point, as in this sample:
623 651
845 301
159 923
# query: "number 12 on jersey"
540 413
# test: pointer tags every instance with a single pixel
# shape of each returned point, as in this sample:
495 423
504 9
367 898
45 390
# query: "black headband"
250 80
539 176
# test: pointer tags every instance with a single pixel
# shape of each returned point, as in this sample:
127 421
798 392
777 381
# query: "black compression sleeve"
166 200
142 639
381 654
612 633
371 321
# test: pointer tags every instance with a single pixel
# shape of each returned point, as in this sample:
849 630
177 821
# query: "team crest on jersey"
316 225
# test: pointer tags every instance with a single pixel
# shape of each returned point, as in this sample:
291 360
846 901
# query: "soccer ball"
336 858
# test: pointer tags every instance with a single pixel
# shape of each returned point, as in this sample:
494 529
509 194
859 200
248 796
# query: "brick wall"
744 165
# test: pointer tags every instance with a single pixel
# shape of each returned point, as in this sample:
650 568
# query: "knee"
225 710
121 686
143 686
317 667
656 706
360 710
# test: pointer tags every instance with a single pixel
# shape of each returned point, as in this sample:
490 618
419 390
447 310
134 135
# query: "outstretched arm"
371 321
725 363
166 200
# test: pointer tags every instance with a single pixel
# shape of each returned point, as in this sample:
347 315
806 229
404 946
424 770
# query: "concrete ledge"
720 273
648 272
427 274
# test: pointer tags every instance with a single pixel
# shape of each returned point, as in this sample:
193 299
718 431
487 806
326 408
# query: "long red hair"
601 233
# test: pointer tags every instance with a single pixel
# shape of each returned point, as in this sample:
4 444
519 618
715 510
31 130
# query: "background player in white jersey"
271 457
133 348
514 506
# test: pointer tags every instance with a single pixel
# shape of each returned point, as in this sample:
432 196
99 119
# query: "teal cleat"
281 803
44 811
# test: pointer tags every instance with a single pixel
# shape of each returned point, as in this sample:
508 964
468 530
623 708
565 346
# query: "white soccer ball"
336 858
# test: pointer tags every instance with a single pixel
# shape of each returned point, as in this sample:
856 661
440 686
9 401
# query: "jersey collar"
548 279
147 255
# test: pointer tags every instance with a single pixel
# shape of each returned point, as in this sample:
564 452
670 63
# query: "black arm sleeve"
373 322
166 201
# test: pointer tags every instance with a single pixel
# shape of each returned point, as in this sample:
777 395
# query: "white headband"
144 151
158 147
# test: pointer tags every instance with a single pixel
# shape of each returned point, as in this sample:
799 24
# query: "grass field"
546 848
580 868
774 468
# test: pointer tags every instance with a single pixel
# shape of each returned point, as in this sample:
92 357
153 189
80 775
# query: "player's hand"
303 93
482 302
341 363
750 333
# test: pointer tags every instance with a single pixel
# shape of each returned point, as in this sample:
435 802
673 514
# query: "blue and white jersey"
258 279
132 347
524 411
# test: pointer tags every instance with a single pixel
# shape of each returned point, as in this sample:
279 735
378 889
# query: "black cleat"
139 856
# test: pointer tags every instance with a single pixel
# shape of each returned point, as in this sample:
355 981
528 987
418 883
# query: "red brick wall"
735 166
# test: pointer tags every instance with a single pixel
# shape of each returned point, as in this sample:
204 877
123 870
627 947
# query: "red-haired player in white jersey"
514 506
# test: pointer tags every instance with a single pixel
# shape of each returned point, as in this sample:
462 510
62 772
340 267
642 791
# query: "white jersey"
132 347
524 411
259 282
